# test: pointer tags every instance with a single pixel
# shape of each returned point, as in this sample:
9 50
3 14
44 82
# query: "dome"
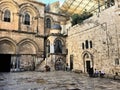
56 26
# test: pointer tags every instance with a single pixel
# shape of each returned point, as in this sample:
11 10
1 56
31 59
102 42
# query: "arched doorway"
27 50
88 61
7 49
59 64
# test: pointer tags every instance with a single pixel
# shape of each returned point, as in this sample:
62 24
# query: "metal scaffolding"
79 6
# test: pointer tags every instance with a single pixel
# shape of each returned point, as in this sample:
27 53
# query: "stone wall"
103 31
25 43
18 9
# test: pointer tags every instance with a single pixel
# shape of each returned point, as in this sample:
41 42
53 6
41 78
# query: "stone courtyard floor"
58 80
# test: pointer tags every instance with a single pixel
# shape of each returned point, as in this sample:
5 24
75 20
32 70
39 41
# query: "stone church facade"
23 34
33 36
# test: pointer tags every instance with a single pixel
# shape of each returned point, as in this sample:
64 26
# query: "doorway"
87 65
5 62
71 62
87 61
59 65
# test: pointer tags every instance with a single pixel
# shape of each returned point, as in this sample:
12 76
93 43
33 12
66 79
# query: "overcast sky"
50 1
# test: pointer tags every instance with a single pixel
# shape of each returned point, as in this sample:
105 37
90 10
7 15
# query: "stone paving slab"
59 80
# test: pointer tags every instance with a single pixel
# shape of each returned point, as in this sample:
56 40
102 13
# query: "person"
66 67
91 72
101 74
96 73
116 74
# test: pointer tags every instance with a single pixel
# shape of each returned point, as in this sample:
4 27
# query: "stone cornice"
56 14
56 34
23 32
62 54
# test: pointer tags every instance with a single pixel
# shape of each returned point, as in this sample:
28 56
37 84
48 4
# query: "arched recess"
59 64
48 46
87 61
7 46
49 24
27 46
34 15
59 45
8 5
30 9
46 21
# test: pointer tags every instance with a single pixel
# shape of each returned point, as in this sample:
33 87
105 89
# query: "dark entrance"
87 65
71 62
5 60
59 65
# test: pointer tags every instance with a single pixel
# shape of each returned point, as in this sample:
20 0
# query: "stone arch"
87 60
59 64
34 17
8 5
62 44
27 46
47 42
52 21
27 7
7 46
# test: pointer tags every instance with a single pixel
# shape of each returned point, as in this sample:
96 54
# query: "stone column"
63 27
1 16
51 48
17 63
13 60
19 22
34 63
37 31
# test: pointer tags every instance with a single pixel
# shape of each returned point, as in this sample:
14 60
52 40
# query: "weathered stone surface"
103 31
55 81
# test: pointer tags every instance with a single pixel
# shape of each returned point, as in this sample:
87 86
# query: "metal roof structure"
79 6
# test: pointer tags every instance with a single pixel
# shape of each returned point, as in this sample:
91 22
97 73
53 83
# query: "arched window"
58 46
90 44
116 61
27 19
86 43
83 46
7 16
48 23
86 55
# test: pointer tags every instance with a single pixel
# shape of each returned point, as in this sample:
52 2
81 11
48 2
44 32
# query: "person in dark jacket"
91 72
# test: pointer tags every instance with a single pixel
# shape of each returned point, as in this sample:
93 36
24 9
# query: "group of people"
95 73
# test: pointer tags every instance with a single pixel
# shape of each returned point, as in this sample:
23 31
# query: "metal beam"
71 8
71 4
77 6
85 5
92 7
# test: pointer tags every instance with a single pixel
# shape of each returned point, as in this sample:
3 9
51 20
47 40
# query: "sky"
50 1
